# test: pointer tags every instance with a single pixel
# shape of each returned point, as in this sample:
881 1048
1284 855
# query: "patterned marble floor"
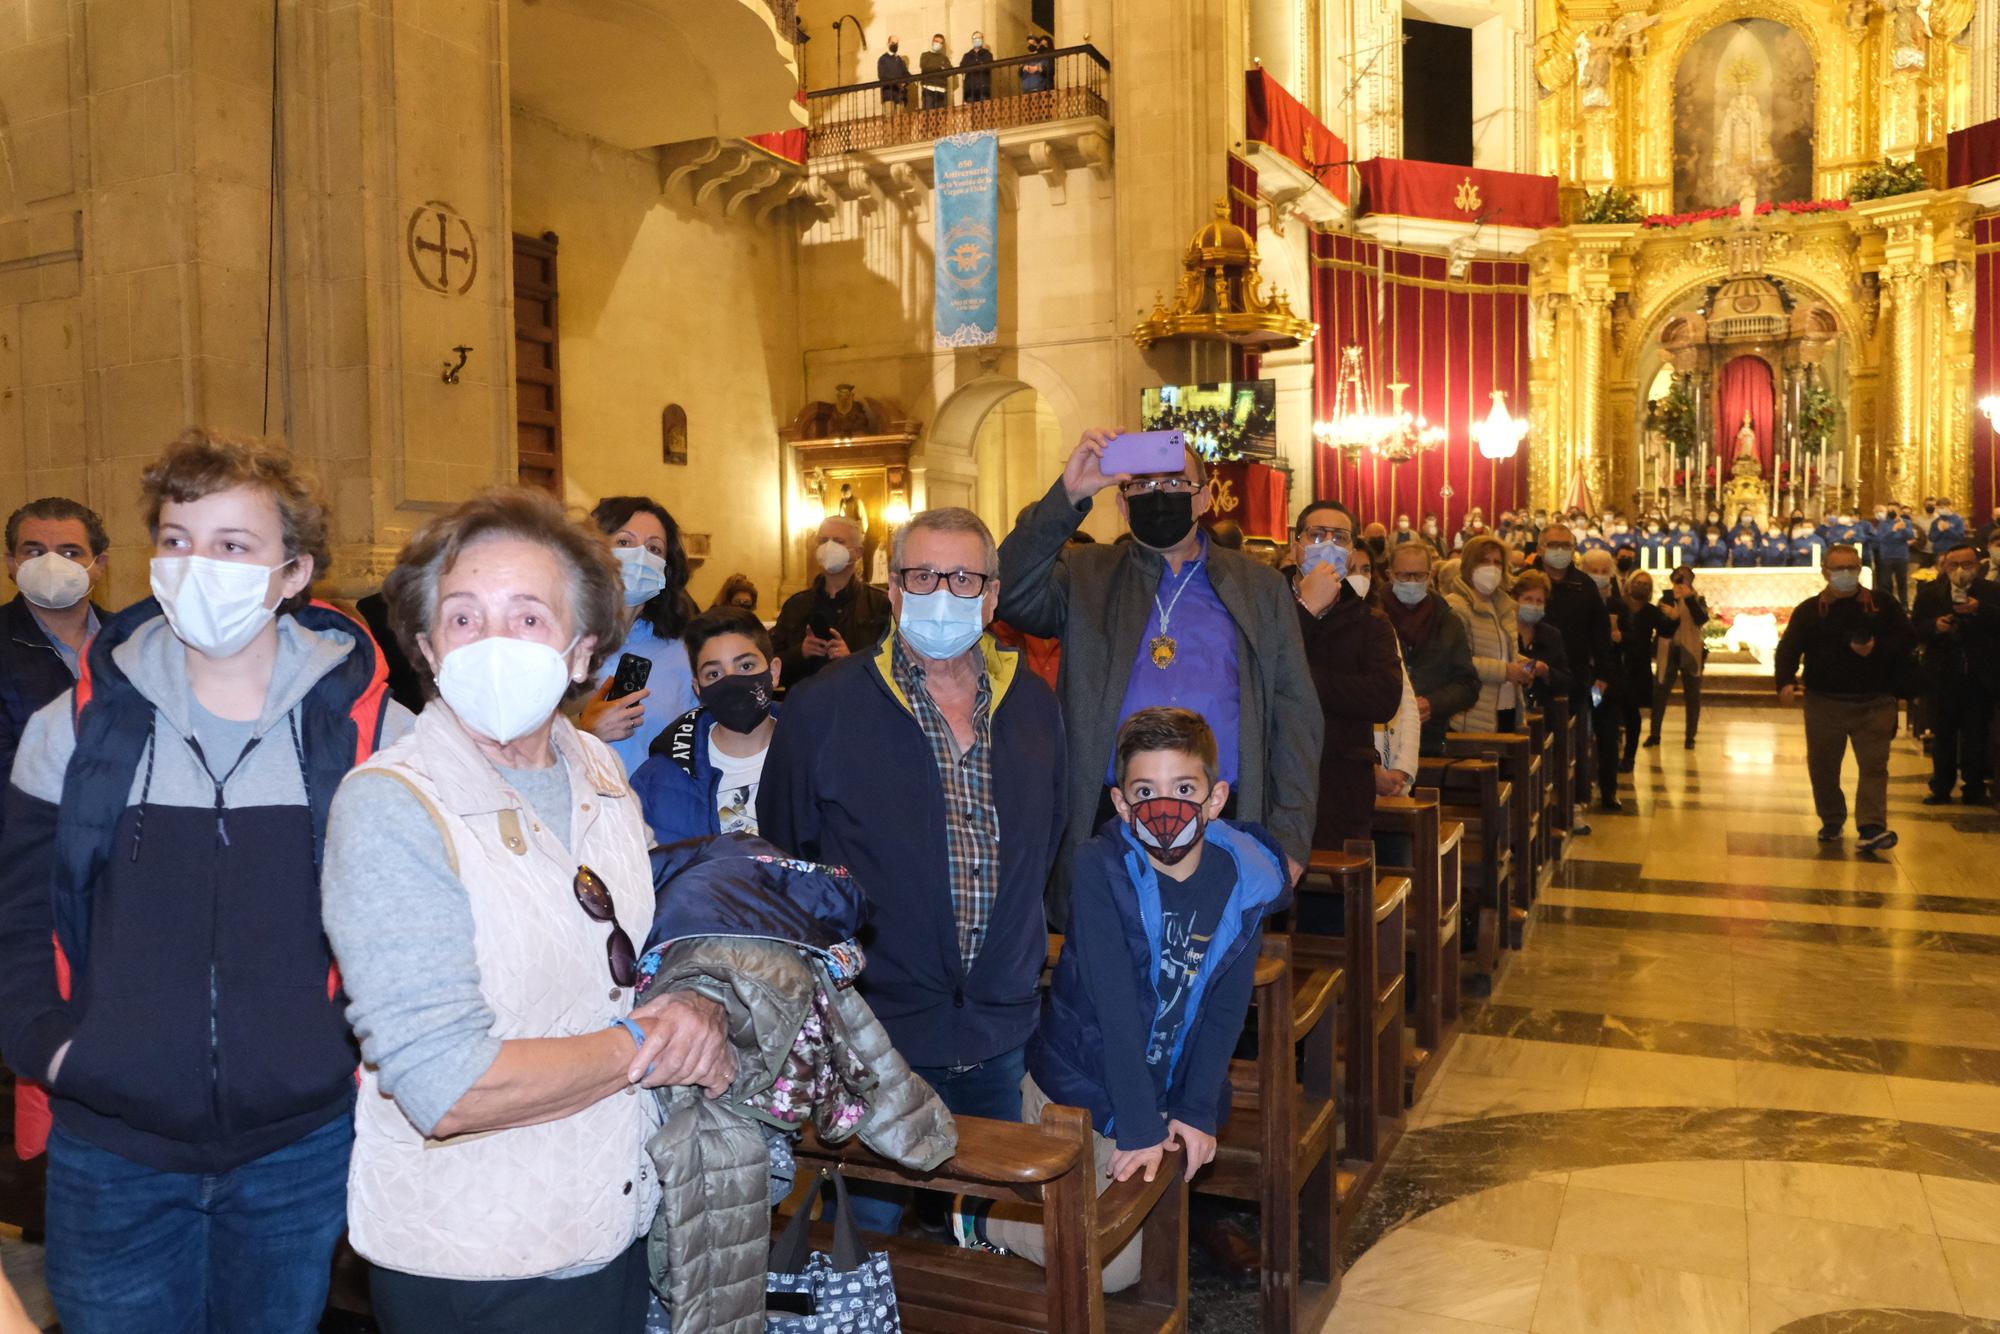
1737 1082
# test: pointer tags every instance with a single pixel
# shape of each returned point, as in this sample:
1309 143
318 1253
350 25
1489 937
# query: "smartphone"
1596 695
820 624
631 676
1141 452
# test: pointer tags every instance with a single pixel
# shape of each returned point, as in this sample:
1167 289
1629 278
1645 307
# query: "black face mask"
1160 519
1627 564
741 702
1379 546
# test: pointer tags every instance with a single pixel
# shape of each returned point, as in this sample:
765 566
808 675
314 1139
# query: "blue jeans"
247 1251
990 1089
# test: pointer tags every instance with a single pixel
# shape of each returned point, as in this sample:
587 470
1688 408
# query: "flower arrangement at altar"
1817 416
1792 206
1889 177
1610 204
1674 415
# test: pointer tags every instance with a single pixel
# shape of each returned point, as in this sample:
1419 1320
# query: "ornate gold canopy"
1221 295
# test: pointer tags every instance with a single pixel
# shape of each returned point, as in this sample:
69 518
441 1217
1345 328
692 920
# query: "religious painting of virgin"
1743 117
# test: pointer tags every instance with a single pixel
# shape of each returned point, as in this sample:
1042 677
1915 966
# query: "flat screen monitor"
1222 421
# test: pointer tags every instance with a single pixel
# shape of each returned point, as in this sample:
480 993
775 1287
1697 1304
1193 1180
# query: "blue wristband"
638 1033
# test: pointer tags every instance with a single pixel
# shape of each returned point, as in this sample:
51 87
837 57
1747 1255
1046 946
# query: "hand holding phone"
1137 453
631 677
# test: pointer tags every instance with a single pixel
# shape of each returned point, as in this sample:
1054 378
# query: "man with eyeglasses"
1578 612
933 771
1181 623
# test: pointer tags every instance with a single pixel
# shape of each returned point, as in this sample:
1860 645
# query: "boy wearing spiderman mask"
1167 914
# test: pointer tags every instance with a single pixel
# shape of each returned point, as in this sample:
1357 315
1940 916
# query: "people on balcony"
891 65
936 67
978 80
1038 76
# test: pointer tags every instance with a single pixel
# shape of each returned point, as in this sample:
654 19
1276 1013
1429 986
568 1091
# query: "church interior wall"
663 302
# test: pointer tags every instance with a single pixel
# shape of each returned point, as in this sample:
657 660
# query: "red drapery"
1255 495
789 144
1274 118
1745 386
1452 342
1972 154
1985 364
1457 194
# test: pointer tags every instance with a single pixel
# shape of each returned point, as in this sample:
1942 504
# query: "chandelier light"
1404 436
1354 426
1500 435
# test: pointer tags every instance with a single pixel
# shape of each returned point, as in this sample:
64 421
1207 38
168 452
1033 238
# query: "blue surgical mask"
1324 553
1843 581
939 624
1528 614
1410 594
645 574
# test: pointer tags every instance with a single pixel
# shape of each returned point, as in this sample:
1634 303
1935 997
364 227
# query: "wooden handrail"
1310 1000
1123 1206
1003 1154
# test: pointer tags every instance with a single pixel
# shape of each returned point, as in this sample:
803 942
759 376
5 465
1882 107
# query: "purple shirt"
1202 676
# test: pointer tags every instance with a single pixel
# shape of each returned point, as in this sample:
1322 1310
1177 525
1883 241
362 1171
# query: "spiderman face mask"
1168 827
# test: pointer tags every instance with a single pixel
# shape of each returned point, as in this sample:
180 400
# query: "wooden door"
537 363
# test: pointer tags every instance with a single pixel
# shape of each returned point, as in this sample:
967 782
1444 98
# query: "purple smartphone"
1141 452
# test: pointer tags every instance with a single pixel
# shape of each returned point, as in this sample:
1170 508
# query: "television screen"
1222 421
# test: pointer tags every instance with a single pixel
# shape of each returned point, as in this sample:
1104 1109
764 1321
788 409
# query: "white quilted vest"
539 1199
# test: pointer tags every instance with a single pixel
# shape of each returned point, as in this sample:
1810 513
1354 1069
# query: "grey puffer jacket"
709 1248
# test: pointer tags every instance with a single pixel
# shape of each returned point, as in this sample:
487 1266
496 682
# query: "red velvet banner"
1452 342
1255 495
1746 387
1280 122
1985 365
1457 194
787 144
1972 154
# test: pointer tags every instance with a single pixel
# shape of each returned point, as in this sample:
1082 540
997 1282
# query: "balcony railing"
1020 90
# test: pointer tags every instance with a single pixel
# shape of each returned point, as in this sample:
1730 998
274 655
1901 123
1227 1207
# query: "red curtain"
1746 386
1985 366
1452 342
1255 495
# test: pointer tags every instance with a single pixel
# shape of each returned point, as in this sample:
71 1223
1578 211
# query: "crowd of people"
937 74
315 923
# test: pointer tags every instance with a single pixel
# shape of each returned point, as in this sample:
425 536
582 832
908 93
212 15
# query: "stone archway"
946 464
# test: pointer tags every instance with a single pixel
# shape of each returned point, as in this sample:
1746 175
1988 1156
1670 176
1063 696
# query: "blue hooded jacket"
1115 920
677 783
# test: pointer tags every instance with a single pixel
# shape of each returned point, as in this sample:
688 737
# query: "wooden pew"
1562 775
1477 796
950 1290
1373 915
1278 1148
1434 926
1514 752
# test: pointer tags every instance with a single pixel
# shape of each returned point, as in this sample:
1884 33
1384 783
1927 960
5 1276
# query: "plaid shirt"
972 823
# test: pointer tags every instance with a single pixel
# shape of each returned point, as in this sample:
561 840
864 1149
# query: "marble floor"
1737 1082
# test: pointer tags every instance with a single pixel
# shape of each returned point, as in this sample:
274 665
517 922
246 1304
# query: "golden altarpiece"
1756 117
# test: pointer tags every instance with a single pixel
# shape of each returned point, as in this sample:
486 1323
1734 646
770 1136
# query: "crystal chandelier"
1402 437
1354 426
1500 435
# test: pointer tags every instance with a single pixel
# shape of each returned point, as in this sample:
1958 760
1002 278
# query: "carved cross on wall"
455 265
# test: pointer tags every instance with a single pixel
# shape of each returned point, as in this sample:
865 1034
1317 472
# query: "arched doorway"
1009 455
997 440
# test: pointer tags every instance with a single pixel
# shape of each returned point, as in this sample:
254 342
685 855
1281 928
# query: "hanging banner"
966 305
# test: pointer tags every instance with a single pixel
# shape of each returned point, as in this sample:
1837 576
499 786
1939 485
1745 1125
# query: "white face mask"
1603 582
1485 579
53 581
1558 558
1359 583
504 688
216 607
833 557
645 574
939 624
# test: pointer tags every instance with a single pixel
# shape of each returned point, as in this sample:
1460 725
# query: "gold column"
1901 451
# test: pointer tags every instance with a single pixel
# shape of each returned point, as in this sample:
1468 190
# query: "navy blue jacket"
31 674
740 885
850 781
677 784
1090 1048
1892 538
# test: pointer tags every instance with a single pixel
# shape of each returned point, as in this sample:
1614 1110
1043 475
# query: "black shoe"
1611 806
1937 798
1829 833
1625 766
1688 744
1651 743
1974 796
1879 841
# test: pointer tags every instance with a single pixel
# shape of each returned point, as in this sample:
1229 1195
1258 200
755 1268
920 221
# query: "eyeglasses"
921 579
1410 576
1340 537
1146 486
595 900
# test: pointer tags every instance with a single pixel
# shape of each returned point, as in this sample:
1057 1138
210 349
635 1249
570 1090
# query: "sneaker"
1829 833
1879 841
968 1224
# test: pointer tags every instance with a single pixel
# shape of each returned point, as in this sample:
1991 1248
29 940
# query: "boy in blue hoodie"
1167 916
703 770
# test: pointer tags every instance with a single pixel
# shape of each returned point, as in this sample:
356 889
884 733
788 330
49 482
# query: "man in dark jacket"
703 770
841 613
56 557
979 82
933 771
1578 612
1436 650
891 65
936 67
1351 649
1166 619
1854 647
1957 620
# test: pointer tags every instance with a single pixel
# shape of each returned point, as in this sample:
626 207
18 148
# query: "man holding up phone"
1181 622
840 614
1854 646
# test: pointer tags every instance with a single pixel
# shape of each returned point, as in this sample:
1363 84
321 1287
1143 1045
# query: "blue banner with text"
967 228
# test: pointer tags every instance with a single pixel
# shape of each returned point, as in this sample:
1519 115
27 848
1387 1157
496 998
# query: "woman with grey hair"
485 880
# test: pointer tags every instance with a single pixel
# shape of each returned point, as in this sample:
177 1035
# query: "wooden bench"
1416 823
1520 770
950 1290
1373 917
1278 1149
1477 796
1562 773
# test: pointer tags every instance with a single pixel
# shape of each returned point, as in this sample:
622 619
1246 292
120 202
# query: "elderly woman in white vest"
486 877
1476 591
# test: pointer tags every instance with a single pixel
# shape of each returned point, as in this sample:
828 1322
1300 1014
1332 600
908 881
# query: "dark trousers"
1962 725
1605 721
610 1301
990 1089
936 98
249 1250
1580 701
1894 574
1690 679
1868 723
1631 704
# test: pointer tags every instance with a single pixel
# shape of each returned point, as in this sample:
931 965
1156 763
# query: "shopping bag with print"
847 1291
